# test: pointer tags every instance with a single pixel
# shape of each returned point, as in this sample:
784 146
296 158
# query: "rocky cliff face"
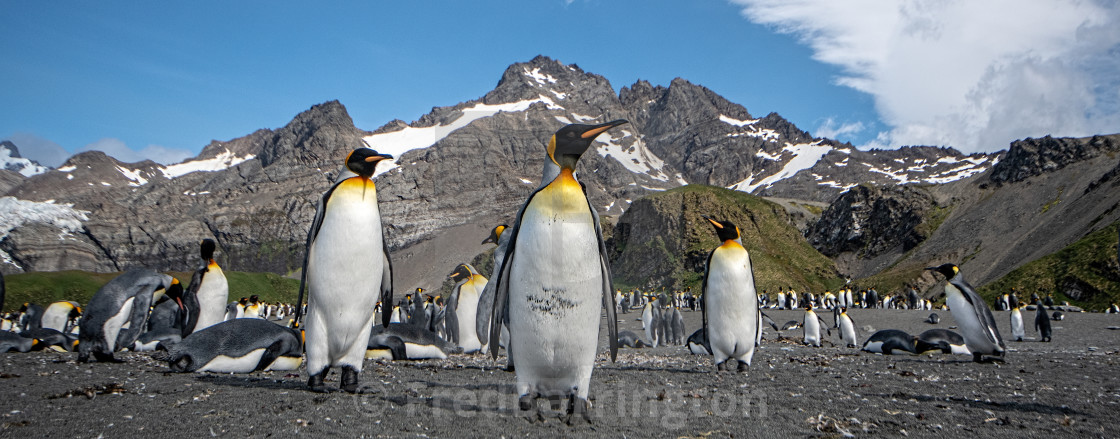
469 165
1031 157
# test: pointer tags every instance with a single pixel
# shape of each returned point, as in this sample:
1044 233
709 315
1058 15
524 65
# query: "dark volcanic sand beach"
1065 388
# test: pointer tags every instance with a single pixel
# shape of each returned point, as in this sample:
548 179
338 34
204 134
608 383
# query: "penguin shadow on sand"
277 381
475 399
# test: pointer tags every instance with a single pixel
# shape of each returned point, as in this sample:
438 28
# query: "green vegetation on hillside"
780 255
1086 273
80 286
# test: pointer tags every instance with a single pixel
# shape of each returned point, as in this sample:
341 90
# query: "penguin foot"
580 406
527 402
720 367
743 367
315 382
509 367
349 379
106 358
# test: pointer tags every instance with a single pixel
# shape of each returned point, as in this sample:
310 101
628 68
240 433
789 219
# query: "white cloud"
41 150
833 130
118 150
975 75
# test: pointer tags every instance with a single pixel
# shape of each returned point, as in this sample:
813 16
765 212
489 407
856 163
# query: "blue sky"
160 80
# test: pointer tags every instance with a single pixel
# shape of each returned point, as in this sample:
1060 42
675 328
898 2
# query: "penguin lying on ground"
124 300
947 341
698 342
10 341
51 338
238 346
630 340
407 341
889 340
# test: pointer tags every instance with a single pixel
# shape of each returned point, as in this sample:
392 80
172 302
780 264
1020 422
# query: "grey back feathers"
137 286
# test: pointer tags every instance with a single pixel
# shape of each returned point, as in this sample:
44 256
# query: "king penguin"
347 269
973 317
1042 323
209 285
125 300
811 327
556 281
60 316
238 346
848 329
463 305
1017 331
730 311
486 301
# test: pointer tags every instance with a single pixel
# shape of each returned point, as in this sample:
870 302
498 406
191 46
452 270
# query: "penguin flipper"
769 320
825 326
450 317
386 283
270 354
608 283
501 290
983 314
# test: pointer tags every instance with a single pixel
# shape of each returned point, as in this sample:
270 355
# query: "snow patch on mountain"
636 158
805 155
15 212
23 166
224 160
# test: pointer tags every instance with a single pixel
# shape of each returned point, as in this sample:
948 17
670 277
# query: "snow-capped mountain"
11 160
472 163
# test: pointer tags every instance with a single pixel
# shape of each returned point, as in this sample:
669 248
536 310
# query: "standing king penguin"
730 311
555 281
125 300
347 269
486 301
209 285
462 306
975 320
1017 331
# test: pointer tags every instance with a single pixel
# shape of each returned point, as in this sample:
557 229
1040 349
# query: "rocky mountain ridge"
458 168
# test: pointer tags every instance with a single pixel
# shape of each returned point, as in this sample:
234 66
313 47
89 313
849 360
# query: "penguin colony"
542 304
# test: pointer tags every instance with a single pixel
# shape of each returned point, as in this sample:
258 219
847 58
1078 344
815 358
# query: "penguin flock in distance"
543 302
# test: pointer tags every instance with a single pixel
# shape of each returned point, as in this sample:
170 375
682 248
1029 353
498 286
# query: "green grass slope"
79 286
1086 273
662 241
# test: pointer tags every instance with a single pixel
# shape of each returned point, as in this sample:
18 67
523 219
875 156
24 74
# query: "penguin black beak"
378 158
594 131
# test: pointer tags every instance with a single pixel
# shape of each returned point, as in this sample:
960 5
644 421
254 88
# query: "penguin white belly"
812 330
419 352
959 349
344 277
1017 329
647 323
733 305
285 363
848 330
213 295
226 364
55 317
970 326
138 346
113 325
555 297
874 346
467 313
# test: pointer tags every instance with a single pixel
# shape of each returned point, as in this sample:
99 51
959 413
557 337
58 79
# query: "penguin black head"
243 300
461 273
254 299
175 292
948 270
495 234
571 141
726 230
206 249
363 161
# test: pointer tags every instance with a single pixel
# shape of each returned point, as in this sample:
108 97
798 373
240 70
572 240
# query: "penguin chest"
812 329
345 261
847 329
466 312
213 293
555 286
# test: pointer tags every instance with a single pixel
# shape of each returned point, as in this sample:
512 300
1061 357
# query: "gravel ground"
1069 387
